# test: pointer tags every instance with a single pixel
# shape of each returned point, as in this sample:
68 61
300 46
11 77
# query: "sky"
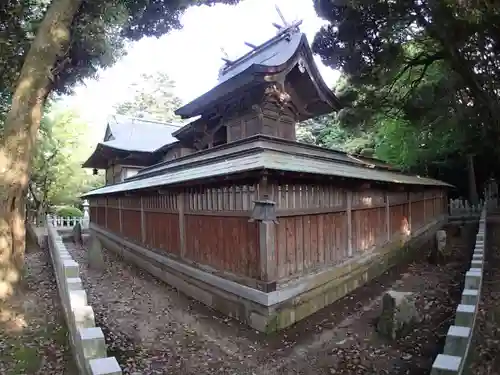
192 56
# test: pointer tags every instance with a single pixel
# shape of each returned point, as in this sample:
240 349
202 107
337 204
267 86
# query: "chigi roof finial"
225 56
285 24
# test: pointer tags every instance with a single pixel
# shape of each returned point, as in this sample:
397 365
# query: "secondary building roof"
125 135
261 153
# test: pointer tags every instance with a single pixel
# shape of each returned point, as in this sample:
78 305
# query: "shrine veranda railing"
317 225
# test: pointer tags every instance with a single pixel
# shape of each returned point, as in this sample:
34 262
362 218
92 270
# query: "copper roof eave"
226 149
260 159
97 156
260 155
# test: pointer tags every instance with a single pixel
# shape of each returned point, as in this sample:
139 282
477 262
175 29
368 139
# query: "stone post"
86 215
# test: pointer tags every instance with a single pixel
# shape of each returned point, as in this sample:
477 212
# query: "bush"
69 211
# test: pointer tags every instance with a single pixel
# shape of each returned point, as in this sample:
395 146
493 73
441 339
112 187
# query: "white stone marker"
70 268
74 283
465 315
83 317
104 366
446 365
77 298
457 340
472 280
93 344
470 296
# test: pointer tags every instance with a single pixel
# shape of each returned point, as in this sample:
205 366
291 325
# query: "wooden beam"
349 222
253 46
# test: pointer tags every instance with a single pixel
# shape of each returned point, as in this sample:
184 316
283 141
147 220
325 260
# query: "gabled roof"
137 134
127 135
261 153
271 57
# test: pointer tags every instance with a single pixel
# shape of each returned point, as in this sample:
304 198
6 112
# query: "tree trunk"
473 197
21 127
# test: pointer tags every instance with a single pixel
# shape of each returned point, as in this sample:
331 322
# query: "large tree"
422 78
151 95
50 45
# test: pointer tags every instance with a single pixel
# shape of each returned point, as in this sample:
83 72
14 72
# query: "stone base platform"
291 302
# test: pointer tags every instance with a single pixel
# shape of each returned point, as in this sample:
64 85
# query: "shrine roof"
271 57
262 153
131 135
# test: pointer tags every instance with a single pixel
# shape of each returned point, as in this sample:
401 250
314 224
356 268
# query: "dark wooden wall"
318 225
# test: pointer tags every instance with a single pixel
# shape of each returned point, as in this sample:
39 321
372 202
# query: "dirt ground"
486 353
153 329
33 335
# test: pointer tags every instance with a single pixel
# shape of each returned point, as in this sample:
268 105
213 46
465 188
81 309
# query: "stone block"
470 296
398 316
77 298
70 268
472 280
104 366
83 316
476 264
457 340
258 322
446 365
76 234
465 315
74 283
441 240
92 342
96 259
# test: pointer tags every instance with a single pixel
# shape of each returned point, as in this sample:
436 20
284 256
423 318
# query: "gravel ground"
486 353
33 335
153 329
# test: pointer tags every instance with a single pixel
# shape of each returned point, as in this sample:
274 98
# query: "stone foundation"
276 310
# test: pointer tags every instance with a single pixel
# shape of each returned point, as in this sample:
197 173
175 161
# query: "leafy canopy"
100 32
151 96
421 80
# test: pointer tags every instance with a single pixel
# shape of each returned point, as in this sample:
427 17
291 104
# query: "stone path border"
87 340
454 359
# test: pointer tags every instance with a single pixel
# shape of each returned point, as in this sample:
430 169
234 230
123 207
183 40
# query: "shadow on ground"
153 329
33 335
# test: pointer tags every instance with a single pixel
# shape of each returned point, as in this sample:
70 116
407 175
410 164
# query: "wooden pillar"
267 243
182 229
425 204
349 222
120 214
409 212
106 213
387 216
143 223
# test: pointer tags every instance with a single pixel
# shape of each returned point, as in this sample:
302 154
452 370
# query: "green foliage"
100 31
69 211
57 176
421 82
151 96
